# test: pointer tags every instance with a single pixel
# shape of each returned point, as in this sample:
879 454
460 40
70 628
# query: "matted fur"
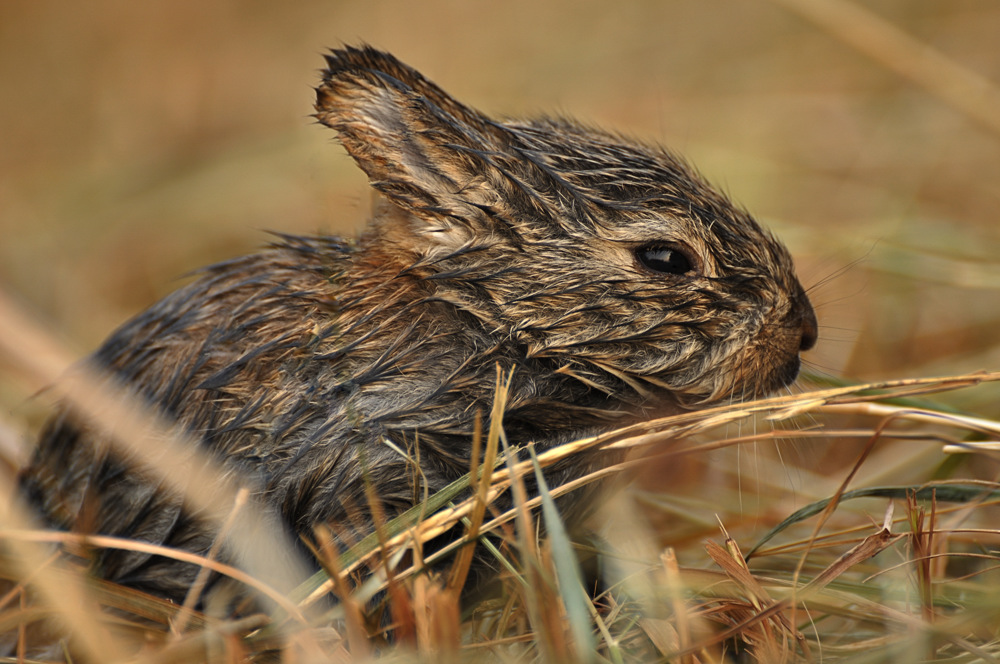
510 244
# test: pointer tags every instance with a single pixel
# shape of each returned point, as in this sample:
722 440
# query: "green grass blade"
567 570
948 493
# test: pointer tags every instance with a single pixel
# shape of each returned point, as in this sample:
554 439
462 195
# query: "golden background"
141 140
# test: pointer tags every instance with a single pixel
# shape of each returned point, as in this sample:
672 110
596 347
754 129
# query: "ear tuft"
353 62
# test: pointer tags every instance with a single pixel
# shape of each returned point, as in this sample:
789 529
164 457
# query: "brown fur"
511 243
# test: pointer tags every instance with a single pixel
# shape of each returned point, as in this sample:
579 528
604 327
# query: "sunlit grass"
908 574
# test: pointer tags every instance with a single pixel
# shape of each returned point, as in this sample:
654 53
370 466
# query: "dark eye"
665 259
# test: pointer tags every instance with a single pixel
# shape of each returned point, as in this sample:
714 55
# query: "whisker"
839 272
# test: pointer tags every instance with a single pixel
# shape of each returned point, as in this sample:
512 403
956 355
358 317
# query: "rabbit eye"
665 259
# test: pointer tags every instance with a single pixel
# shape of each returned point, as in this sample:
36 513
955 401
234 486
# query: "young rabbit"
614 281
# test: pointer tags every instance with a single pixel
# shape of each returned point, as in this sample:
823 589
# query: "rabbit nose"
809 328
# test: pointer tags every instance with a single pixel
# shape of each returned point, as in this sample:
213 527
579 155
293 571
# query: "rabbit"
613 280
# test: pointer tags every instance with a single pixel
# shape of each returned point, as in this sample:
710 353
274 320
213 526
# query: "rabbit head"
610 261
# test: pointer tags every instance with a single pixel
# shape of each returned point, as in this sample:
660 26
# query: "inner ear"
418 145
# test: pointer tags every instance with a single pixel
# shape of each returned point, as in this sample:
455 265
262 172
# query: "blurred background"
141 140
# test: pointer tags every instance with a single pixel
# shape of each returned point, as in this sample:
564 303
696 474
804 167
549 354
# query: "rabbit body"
613 281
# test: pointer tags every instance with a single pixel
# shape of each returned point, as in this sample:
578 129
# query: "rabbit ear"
418 146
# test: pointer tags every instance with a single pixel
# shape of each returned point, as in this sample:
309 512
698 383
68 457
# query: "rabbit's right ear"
419 147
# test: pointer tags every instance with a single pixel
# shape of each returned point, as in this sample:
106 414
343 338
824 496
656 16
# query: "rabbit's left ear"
421 148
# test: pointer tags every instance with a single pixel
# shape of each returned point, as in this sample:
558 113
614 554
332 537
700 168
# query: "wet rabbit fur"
614 281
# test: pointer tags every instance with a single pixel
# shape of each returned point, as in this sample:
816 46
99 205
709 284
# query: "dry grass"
144 140
828 582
